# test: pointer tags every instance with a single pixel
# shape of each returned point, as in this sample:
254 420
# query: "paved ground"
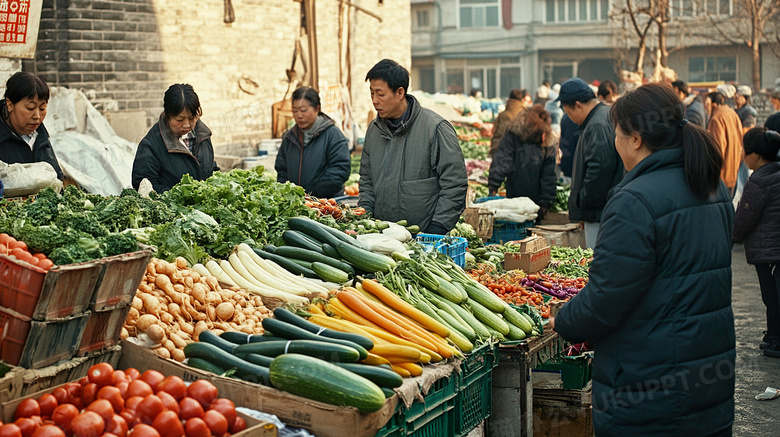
754 371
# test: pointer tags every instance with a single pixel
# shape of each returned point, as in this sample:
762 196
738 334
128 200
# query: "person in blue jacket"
314 153
657 307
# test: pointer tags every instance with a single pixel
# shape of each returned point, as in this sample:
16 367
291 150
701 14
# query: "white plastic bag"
28 179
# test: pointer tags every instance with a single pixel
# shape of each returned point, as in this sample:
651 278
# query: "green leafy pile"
561 202
247 205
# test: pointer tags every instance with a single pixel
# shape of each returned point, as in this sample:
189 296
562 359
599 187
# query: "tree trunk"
756 52
640 57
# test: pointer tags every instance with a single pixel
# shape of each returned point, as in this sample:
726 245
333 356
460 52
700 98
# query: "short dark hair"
606 88
716 97
307 93
181 96
518 94
762 141
25 84
655 112
391 72
681 86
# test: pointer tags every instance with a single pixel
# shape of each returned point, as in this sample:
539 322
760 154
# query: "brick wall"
125 53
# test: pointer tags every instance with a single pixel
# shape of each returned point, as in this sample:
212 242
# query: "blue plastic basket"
485 199
504 231
454 247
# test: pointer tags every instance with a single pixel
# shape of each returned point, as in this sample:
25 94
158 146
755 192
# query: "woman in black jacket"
657 307
523 159
314 153
23 138
178 144
757 223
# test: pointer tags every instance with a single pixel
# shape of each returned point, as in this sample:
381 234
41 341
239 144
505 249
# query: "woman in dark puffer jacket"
757 223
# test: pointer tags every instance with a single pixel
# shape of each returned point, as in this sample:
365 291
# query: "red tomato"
47 403
45 264
196 427
203 392
129 416
10 430
174 386
238 426
113 395
122 386
169 402
138 388
132 403
89 393
119 376
103 408
27 425
117 426
63 415
49 431
168 424
88 424
152 377
61 395
190 408
83 381
101 374
108 434
217 423
18 244
143 430
132 373
226 407
73 389
28 407
149 408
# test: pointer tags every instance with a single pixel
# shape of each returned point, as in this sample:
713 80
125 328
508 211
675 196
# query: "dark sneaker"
772 351
767 340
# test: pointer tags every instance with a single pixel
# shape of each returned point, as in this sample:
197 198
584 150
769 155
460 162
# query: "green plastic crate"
474 402
432 418
575 371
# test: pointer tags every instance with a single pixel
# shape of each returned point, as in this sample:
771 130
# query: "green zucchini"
244 369
302 263
489 318
516 318
365 260
515 333
377 375
293 319
319 349
448 291
301 240
220 342
329 273
312 256
238 337
487 298
291 332
286 264
462 313
260 360
325 382
330 251
314 229
270 248
389 392
497 335
200 363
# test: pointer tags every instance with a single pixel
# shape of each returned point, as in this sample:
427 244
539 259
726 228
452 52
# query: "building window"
712 68
479 13
572 11
423 19
492 77
691 8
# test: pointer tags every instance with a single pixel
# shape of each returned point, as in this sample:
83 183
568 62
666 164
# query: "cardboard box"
556 218
529 262
481 220
321 419
533 243
569 235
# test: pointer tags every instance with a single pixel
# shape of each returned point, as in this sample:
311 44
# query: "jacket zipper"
300 162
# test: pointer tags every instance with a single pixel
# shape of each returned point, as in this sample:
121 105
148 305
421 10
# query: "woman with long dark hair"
757 224
314 153
178 144
657 307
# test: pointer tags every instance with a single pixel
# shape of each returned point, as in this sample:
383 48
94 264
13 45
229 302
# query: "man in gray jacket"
597 165
412 167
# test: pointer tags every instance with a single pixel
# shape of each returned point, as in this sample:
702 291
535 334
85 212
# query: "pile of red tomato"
116 403
18 249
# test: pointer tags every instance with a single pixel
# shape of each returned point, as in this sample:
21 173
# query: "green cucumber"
244 369
319 349
389 392
489 318
329 273
302 263
516 318
365 260
260 360
291 332
220 342
286 264
200 363
299 239
377 375
322 233
330 251
497 335
448 291
270 248
312 256
515 333
238 337
293 319
322 381
487 298
463 314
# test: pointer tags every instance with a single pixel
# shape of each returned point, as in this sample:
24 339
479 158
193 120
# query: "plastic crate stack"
454 247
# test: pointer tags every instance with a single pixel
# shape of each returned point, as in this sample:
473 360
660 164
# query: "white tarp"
517 209
87 147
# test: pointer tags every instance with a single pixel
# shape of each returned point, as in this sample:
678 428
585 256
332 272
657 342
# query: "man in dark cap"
597 165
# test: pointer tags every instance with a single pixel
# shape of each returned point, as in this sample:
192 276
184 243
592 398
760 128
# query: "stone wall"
125 53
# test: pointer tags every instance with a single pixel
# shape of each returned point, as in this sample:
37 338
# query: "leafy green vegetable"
561 202
169 242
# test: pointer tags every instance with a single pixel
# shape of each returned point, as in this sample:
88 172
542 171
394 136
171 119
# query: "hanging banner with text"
19 22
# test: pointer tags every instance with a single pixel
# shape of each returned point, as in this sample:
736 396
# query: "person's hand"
551 323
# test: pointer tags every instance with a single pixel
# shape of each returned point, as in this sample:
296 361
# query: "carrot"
388 337
343 326
360 306
338 308
398 304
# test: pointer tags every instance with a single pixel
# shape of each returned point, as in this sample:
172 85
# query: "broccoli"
123 242
83 222
44 208
119 213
